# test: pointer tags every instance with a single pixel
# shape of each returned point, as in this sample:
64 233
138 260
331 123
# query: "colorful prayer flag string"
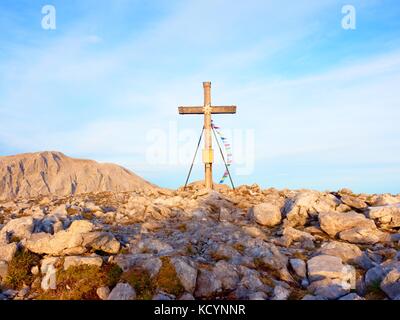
227 147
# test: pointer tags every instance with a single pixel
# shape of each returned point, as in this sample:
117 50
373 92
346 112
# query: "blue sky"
322 102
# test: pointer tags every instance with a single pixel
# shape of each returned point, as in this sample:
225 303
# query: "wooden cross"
207 110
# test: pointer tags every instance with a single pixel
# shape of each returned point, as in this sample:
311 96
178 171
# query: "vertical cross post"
207 151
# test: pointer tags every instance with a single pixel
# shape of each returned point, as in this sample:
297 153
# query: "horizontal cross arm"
215 110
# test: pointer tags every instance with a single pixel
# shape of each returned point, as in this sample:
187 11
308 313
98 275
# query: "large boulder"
268 255
21 228
364 235
77 239
325 266
386 216
291 235
102 241
308 203
186 272
227 274
266 214
329 277
349 253
334 222
207 284
353 202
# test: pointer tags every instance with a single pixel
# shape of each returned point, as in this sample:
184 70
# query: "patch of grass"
267 280
262 266
239 247
124 250
19 269
182 227
88 215
190 250
81 282
218 256
72 211
374 292
15 239
167 279
141 281
297 294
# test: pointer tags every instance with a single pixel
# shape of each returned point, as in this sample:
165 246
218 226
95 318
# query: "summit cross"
207 109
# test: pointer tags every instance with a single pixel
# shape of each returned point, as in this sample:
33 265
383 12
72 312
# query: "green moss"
81 282
141 281
19 269
167 279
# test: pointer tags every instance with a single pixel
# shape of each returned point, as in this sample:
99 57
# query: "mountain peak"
52 172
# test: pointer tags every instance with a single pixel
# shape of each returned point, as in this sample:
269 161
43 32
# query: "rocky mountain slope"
195 244
32 174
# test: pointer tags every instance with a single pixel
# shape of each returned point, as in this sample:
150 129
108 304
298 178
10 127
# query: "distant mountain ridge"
50 172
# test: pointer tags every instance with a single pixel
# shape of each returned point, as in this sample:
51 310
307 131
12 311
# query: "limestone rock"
386 216
254 232
334 222
227 274
266 214
306 204
7 251
187 296
103 293
280 293
391 284
144 261
122 291
186 272
364 235
329 288
21 228
3 270
291 235
383 200
325 266
73 261
299 266
103 241
349 253
66 242
353 202
352 296
207 284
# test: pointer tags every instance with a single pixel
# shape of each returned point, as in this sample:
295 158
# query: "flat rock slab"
325 266
349 253
333 222
73 261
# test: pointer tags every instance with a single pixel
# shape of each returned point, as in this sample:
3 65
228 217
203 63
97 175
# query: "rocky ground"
194 244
